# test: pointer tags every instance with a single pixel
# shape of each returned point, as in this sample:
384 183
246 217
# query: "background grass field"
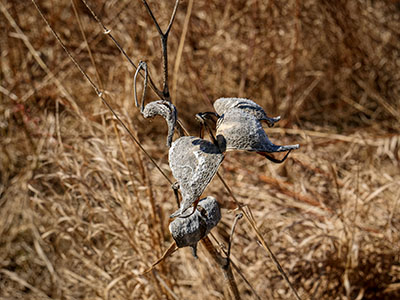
83 212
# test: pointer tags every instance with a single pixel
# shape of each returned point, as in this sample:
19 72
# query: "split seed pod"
240 130
193 162
165 109
222 105
189 231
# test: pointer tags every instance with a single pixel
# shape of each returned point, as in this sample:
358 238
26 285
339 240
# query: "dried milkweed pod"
193 162
189 231
222 105
165 109
240 130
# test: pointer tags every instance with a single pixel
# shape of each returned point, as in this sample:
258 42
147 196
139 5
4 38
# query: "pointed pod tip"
271 121
176 214
194 251
287 148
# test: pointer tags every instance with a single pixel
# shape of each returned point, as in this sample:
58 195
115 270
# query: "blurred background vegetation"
83 212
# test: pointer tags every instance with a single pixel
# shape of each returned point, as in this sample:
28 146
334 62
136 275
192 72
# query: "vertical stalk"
225 266
164 47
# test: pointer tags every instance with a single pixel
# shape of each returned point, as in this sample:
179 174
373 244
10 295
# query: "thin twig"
180 49
99 93
170 250
78 18
253 225
108 32
236 268
38 59
237 218
63 65
224 264
142 65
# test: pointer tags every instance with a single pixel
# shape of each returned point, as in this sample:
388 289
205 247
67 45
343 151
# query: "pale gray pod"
165 109
193 162
189 231
240 130
222 105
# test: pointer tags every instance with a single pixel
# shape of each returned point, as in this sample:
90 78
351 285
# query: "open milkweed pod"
193 162
189 231
222 105
239 130
165 109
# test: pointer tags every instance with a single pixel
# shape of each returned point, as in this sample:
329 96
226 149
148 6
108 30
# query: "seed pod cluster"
195 161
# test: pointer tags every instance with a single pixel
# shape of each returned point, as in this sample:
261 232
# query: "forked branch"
164 40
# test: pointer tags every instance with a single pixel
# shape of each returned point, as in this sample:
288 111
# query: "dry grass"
83 212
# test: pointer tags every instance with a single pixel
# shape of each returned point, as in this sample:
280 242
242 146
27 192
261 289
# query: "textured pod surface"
239 130
193 162
189 231
165 109
222 105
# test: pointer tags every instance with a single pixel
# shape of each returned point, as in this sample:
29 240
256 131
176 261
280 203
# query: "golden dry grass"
83 212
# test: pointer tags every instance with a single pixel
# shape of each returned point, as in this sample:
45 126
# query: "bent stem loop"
142 65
